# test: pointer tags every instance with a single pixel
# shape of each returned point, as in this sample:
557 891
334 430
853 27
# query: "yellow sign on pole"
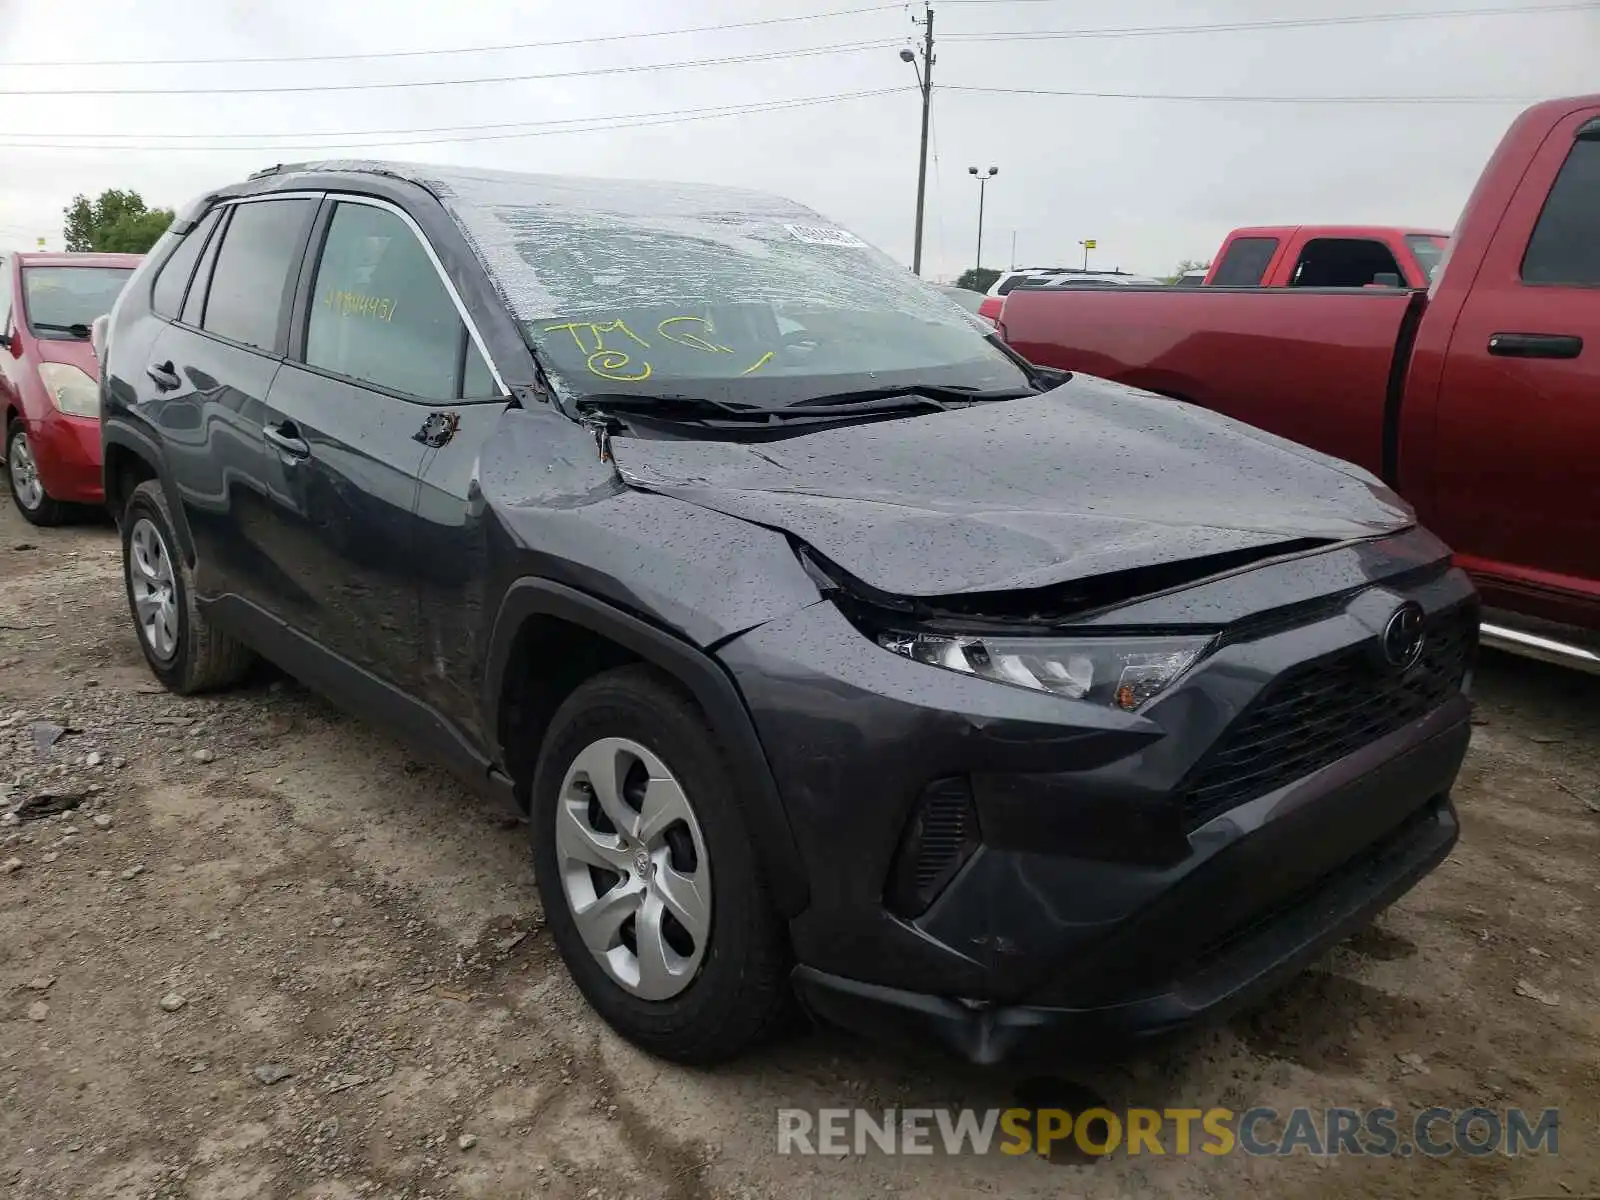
41 243
1089 244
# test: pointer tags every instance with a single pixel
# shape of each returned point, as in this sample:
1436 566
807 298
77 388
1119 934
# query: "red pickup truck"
1477 399
1328 256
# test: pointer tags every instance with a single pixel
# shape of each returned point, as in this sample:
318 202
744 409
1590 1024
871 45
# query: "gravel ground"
271 955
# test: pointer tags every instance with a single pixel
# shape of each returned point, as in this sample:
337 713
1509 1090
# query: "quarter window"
5 296
173 279
476 381
1565 247
379 311
254 268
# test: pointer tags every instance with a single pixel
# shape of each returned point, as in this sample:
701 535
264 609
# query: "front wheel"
27 490
650 883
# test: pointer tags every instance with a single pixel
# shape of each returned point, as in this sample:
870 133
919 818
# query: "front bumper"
1098 899
1212 983
67 452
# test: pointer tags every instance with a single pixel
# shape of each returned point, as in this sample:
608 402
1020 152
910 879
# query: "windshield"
58 298
678 291
1429 249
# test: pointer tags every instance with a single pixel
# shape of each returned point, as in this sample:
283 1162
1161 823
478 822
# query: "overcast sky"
1153 181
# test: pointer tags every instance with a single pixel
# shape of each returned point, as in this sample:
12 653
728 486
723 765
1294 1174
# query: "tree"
1185 266
978 279
117 222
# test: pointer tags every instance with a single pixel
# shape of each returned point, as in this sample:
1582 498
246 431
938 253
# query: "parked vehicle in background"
1192 278
49 390
1328 256
1479 399
826 644
989 309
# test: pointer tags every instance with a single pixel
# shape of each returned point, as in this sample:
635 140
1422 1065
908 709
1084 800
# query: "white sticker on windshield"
821 235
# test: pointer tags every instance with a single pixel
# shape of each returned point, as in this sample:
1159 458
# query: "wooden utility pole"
925 79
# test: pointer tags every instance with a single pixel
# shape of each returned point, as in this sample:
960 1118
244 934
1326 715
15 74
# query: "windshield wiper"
671 406
78 331
726 414
935 395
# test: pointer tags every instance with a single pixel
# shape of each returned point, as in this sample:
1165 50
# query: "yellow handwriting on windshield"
615 363
686 337
608 362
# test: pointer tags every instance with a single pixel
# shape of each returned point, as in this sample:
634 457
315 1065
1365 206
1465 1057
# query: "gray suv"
830 649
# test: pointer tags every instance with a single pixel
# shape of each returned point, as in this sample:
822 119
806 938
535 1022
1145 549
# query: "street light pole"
925 82
983 186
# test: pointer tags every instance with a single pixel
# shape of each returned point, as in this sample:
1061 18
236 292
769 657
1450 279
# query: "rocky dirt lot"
271 955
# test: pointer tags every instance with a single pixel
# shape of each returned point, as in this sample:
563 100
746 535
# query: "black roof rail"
265 171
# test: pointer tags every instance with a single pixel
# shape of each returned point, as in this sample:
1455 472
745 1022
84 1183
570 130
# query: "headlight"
1122 672
70 390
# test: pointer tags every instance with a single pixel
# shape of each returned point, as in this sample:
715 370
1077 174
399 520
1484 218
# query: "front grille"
1318 713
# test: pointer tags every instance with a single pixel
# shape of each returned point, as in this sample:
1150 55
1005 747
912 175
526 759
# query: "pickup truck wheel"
26 489
186 652
650 884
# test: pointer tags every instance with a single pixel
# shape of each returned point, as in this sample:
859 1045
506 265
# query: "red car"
1477 399
49 389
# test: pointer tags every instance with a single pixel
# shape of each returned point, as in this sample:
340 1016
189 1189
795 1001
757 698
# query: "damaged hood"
1088 479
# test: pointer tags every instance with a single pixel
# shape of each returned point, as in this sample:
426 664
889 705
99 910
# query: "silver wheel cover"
153 588
634 868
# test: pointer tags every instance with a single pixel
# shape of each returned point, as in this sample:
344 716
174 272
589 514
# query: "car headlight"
70 390
1123 672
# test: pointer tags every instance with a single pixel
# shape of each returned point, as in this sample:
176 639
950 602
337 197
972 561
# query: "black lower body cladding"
1078 876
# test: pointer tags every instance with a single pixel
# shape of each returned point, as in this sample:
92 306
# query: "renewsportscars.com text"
1381 1132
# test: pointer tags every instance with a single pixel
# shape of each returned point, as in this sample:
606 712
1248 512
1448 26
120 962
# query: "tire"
27 493
737 993
185 651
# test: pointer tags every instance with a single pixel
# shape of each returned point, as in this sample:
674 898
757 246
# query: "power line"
1249 26
297 138
763 56
1087 95
592 125
388 54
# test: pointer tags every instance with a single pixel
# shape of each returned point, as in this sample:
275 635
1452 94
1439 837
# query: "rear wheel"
650 883
186 652
27 490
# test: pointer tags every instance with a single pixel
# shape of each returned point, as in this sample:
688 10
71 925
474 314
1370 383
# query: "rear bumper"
1216 980
67 452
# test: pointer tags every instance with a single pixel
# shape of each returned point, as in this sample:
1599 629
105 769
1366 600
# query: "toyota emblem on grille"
1403 637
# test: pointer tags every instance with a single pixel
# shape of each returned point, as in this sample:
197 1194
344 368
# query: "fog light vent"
940 837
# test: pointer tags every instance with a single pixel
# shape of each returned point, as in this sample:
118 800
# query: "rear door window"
172 281
380 314
1565 247
1246 262
1345 263
255 269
